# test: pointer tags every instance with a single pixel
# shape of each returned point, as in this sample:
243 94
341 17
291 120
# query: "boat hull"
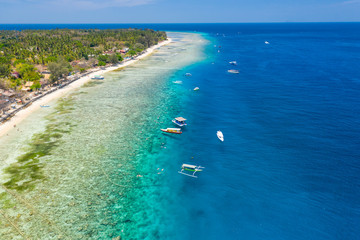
169 131
220 136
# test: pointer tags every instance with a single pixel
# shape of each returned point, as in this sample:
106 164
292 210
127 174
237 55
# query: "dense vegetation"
23 51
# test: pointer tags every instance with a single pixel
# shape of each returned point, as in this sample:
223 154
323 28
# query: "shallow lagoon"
92 165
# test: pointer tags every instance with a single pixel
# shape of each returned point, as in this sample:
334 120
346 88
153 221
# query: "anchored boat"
180 121
172 130
233 63
191 169
220 135
233 71
98 77
188 74
196 88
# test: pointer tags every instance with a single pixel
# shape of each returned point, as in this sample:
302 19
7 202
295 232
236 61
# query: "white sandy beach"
21 115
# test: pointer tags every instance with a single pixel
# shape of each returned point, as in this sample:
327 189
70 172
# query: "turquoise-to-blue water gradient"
289 166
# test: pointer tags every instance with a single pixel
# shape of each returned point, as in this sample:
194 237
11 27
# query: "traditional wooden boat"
98 77
191 169
180 121
172 130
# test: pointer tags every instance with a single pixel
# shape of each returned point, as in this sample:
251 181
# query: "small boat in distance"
44 106
188 74
178 82
172 130
196 88
233 71
190 168
220 135
180 121
233 63
99 77
266 42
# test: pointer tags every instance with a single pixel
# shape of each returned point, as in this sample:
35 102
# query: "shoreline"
19 116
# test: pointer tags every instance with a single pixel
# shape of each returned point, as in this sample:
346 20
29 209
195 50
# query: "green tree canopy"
31 76
36 85
113 59
101 63
4 60
120 58
139 47
58 69
132 52
25 70
18 61
4 70
103 58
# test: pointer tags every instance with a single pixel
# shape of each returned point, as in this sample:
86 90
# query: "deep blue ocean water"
289 166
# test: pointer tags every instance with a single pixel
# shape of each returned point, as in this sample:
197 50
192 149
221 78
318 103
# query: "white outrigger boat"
190 168
172 130
233 71
220 135
180 121
98 77
233 63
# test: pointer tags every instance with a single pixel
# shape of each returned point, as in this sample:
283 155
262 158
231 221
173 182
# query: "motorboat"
233 63
188 74
266 42
180 121
177 82
233 71
191 169
220 135
172 130
196 88
98 77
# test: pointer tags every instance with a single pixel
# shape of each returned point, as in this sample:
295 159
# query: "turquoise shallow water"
103 173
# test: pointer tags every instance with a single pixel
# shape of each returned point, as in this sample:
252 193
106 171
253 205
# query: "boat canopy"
174 129
180 119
